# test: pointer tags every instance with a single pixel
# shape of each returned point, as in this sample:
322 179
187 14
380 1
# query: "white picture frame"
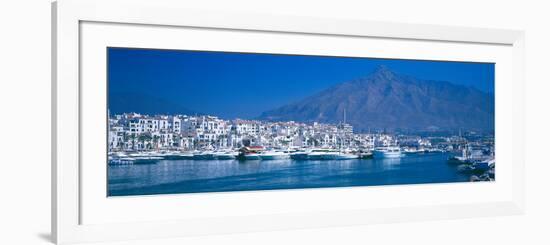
68 197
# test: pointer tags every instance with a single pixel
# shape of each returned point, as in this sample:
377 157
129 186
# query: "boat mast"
343 131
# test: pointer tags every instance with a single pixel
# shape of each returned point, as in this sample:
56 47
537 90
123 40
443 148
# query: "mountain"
388 100
145 104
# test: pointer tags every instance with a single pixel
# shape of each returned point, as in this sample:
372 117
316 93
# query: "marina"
193 154
259 153
259 168
476 161
196 176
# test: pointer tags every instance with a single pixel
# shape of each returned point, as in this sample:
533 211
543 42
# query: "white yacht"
319 154
274 155
387 152
341 156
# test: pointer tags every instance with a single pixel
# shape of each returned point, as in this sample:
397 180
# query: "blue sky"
244 85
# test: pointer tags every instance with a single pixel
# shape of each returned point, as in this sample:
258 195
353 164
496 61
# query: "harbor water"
196 176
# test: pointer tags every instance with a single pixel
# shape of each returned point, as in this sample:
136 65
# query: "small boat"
387 152
274 155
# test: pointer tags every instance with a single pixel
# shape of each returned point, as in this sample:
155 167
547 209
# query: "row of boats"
309 154
479 165
253 153
473 165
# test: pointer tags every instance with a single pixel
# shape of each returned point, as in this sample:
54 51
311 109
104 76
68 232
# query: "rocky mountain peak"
388 100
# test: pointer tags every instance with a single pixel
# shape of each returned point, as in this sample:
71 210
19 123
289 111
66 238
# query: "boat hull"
225 157
339 156
203 157
384 154
299 156
252 157
346 157
178 157
317 157
365 155
274 157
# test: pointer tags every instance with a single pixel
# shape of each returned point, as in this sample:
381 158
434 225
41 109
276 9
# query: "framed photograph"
171 122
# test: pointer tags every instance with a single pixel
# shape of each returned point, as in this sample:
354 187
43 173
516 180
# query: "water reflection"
389 163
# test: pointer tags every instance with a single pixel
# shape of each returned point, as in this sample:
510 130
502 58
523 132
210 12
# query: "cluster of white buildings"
133 131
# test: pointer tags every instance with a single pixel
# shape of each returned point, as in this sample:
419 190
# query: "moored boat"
319 154
250 153
340 156
387 152
274 155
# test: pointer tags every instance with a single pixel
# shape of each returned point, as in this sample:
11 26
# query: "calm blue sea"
192 176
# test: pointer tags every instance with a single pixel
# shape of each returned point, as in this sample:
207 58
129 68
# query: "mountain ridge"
388 100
